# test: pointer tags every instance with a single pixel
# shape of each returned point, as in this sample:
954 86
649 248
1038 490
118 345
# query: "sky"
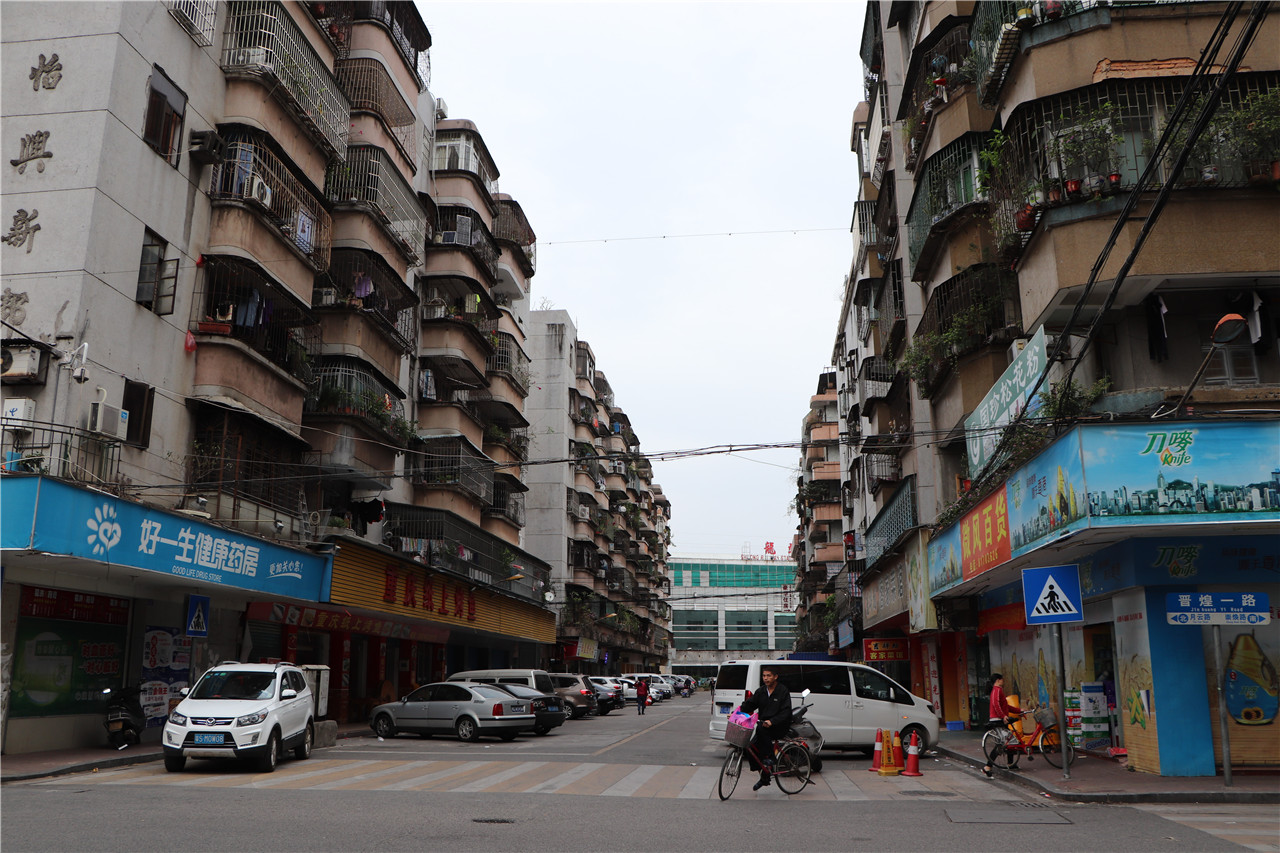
624 128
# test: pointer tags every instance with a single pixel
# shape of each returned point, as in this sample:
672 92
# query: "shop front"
1144 512
102 592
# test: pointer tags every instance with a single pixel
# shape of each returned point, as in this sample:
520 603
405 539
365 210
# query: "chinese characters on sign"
1171 447
1004 402
984 536
204 553
885 650
1218 608
32 149
421 594
22 231
46 73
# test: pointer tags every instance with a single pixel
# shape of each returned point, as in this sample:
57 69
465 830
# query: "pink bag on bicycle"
746 721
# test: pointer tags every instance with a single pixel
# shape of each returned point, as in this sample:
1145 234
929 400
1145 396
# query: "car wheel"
815 763
174 763
467 730
541 731
303 751
271 755
604 710
920 733
507 736
383 727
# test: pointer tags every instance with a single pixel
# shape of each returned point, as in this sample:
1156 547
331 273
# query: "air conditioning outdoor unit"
584 513
107 420
258 190
21 363
207 147
18 413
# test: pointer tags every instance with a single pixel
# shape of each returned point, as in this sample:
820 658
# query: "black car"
548 709
608 697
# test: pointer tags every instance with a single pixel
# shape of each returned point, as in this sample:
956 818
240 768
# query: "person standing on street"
642 694
772 704
1000 712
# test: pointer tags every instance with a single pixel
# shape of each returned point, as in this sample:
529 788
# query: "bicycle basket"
1044 716
736 735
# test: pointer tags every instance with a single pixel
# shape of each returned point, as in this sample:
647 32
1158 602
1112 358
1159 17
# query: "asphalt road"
620 783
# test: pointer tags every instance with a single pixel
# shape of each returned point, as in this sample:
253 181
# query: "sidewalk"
1104 780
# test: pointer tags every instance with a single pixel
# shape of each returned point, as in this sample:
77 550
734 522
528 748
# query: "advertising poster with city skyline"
1046 496
1188 471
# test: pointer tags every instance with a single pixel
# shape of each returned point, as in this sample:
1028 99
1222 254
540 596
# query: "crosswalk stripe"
597 780
699 786
381 774
527 781
287 781
563 780
443 769
485 783
631 783
450 781
667 784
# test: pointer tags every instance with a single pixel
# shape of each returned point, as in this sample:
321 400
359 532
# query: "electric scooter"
125 717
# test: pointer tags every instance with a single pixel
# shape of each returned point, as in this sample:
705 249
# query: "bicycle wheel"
995 745
1054 750
730 772
792 768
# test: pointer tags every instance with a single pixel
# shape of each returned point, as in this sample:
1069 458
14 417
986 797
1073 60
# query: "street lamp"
1224 332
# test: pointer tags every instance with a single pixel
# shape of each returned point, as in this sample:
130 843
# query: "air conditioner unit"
18 413
207 147
21 363
584 513
442 109
108 420
258 190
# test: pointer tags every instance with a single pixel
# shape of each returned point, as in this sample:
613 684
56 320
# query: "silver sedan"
467 710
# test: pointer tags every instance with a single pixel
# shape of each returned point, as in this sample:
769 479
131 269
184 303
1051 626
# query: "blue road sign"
1052 594
1218 608
197 616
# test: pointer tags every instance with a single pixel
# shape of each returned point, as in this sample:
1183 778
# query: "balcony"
248 476
509 361
462 230
936 75
407 31
369 181
508 500
252 177
891 314
459 325
55 450
514 439
262 42
875 378
892 523
946 186
454 464
361 288
348 389
881 469
512 227
864 225
461 150
370 88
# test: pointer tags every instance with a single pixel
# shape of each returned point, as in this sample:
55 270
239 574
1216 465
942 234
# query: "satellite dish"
549 595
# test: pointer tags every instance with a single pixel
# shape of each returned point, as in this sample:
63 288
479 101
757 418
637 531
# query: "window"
1232 364
139 398
157 277
873 685
162 127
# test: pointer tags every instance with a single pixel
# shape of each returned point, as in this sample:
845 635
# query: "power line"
689 236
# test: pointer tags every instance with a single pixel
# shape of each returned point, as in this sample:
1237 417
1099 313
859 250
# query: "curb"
1119 797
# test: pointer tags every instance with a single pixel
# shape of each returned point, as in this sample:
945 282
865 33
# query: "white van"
850 701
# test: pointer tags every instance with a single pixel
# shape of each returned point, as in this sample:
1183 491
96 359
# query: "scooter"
806 734
125 717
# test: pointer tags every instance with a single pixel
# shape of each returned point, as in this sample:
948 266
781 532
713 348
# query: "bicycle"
1003 744
790 768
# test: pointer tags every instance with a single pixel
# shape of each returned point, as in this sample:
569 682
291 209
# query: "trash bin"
317 676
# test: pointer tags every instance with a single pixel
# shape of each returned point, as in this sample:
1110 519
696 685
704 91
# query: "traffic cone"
913 756
891 765
879 751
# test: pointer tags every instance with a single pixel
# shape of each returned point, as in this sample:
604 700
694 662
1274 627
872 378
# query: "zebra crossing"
524 775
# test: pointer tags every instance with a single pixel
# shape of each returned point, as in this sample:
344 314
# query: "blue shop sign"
48 515
1218 608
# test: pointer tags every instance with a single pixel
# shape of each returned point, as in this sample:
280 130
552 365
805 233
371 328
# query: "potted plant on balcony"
1254 134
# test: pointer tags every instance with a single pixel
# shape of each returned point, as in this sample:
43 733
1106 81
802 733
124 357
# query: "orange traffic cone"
891 765
913 756
879 751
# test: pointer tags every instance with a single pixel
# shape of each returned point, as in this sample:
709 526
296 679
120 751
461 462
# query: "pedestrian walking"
642 694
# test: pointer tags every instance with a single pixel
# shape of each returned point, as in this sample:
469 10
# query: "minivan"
850 701
538 679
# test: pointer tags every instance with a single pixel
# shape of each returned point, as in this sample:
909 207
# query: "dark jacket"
775 707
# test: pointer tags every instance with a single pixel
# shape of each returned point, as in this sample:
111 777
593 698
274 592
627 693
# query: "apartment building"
264 363
731 609
1002 147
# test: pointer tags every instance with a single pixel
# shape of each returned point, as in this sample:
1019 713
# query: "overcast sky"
624 121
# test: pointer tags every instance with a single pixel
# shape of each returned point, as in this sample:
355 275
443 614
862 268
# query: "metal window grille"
453 462
407 31
239 459
947 182
197 17
891 310
262 40
367 83
457 151
875 378
865 226
508 358
344 386
985 297
462 226
507 501
369 179
60 451
384 297
895 520
254 176
511 225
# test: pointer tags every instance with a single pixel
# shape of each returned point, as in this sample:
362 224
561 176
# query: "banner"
62 667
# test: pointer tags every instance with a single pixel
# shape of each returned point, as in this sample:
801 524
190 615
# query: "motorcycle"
125 718
806 734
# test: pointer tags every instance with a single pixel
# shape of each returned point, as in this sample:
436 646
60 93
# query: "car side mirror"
288 693
804 694
404 698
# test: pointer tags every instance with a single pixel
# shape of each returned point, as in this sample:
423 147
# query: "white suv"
242 710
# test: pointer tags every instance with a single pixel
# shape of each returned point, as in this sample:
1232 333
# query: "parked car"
657 684
538 679
253 711
548 708
628 687
849 701
466 709
578 693
608 696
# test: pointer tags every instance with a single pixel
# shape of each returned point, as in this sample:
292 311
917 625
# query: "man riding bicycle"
772 704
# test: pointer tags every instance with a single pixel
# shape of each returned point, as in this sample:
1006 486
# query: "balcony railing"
56 450
254 176
263 41
346 388
256 470
239 300
370 88
370 180
892 522
452 462
197 17
508 359
512 226
507 502
407 31
875 378
881 469
462 228
458 150
864 225
515 439
969 310
947 182
891 311
363 282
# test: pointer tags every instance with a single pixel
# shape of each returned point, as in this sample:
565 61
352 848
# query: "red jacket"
1000 708
642 689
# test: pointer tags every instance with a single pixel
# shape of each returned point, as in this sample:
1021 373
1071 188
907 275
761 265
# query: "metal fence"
462 227
452 462
369 179
57 450
892 522
369 86
363 281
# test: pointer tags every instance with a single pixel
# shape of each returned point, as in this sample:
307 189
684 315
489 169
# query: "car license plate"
724 709
517 709
210 739
551 706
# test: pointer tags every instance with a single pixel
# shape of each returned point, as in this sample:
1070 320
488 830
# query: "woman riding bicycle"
1001 712
772 703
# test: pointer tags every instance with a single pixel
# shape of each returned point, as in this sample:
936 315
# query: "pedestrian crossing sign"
1052 594
197 616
